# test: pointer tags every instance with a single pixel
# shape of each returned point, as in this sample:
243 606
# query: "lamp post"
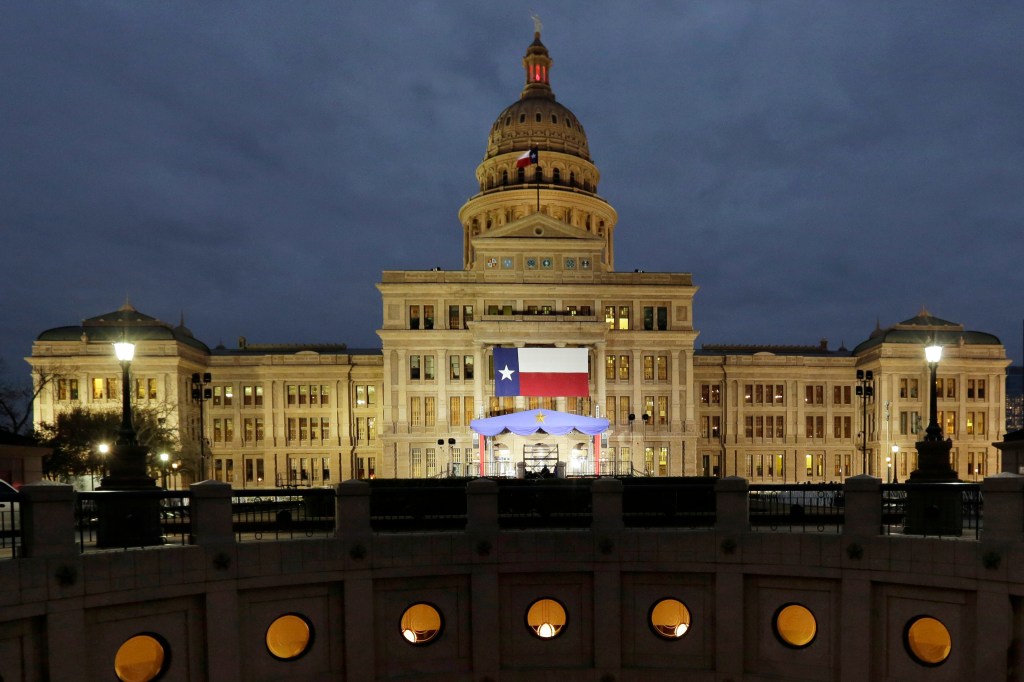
933 510
126 517
164 458
865 389
895 458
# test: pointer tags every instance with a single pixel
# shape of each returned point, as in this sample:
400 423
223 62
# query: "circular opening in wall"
141 658
538 231
421 624
546 618
289 637
927 641
670 619
795 626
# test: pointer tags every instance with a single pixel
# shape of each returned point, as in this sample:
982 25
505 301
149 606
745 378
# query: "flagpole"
537 175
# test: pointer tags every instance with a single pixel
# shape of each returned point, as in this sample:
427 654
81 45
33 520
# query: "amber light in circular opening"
795 625
670 618
140 659
546 618
928 640
289 637
421 623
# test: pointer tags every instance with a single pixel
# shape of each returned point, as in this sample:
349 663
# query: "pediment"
537 226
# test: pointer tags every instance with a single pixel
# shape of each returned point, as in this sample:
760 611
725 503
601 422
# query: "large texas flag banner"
541 372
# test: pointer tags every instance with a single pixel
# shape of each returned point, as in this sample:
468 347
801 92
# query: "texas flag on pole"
541 372
528 158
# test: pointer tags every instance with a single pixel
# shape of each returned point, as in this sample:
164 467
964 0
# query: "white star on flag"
506 374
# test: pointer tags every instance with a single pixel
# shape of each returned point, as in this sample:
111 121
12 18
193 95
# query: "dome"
536 119
537 122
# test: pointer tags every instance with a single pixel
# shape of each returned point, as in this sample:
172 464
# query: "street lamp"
127 519
933 354
865 389
125 352
164 458
895 458
933 510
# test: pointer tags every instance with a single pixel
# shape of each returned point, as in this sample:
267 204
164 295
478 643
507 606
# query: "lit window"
670 619
927 641
421 624
289 637
141 658
795 626
546 618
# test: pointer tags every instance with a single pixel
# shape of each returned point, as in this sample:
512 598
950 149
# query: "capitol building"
607 500
538 248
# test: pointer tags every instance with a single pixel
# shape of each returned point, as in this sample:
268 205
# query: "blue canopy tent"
546 421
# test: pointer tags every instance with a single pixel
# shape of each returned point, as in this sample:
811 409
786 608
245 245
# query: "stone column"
606 505
352 512
732 505
1004 508
211 513
862 506
48 520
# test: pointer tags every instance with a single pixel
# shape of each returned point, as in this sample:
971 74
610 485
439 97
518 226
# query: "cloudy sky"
818 166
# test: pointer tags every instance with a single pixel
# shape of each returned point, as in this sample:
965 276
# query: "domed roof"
113 326
536 119
926 328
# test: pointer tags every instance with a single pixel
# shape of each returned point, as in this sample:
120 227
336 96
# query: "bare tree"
18 397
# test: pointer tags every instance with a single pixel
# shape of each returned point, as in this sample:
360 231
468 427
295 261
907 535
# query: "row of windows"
424 368
106 388
655 367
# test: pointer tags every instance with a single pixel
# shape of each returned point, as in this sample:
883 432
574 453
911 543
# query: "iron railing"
544 503
282 513
932 509
173 505
668 503
10 525
803 507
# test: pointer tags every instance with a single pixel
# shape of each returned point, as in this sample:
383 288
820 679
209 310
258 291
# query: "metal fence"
424 505
10 525
544 503
282 513
800 507
660 503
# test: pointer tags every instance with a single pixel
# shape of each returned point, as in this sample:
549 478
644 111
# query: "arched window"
522 175
572 179
554 119
556 176
504 177
538 117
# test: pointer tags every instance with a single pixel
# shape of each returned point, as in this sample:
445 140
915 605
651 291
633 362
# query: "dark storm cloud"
256 165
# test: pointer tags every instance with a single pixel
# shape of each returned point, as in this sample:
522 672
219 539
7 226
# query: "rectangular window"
981 389
303 394
454 368
431 462
662 409
414 317
467 316
416 411
303 428
248 429
648 368
624 368
429 411
417 463
624 408
748 394
623 322
453 317
648 318
950 387
414 367
662 368
759 427
662 318
229 470
293 394
748 426
428 367
780 429
428 317
609 368
970 396
259 429
467 366
454 410
903 388
229 430
467 409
